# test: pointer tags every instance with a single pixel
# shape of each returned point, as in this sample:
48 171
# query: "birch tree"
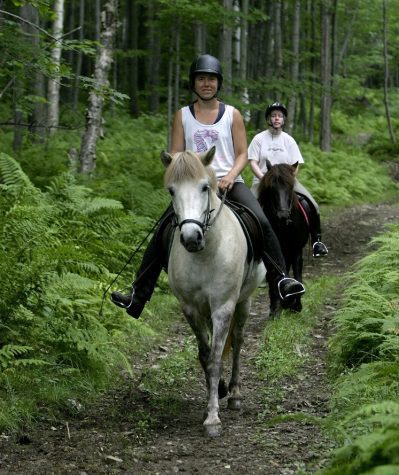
87 155
53 94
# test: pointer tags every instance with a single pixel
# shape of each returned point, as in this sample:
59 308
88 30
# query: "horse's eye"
205 187
171 192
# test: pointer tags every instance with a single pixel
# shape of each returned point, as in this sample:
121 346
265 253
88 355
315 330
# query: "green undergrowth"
364 363
59 250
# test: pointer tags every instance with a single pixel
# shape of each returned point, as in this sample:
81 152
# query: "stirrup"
322 252
120 304
286 280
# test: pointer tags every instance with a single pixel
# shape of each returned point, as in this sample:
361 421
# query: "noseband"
208 222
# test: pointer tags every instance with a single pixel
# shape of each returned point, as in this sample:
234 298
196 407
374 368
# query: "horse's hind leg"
239 319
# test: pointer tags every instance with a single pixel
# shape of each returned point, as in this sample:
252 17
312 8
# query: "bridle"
289 209
208 222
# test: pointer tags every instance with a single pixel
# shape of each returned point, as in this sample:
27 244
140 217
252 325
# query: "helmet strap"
202 99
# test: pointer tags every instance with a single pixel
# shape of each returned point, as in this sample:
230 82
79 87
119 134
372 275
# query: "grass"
286 340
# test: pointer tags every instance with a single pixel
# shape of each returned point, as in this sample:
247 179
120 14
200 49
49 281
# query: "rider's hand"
226 183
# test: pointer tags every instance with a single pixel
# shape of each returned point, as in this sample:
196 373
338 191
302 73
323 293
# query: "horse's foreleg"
297 266
275 301
202 335
240 317
220 326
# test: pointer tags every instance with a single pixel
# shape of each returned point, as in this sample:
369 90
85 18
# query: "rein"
208 222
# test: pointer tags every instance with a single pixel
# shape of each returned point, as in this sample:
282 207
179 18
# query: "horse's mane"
187 165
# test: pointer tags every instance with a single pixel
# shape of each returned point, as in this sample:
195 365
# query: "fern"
11 173
9 353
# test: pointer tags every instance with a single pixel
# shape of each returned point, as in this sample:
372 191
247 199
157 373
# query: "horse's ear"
207 157
268 164
166 158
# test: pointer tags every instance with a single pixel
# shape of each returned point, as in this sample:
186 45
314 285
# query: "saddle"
252 229
305 208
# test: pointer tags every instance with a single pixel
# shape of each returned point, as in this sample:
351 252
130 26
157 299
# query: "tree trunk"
325 57
226 50
18 115
199 38
314 74
87 155
278 48
133 25
78 69
177 66
154 59
243 56
386 72
37 83
54 83
294 65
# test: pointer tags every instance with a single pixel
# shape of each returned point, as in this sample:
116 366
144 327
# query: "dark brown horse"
289 220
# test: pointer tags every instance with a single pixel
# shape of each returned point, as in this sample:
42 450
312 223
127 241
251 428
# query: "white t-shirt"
201 137
280 148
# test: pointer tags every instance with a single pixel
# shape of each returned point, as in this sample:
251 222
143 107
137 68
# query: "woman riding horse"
277 146
205 123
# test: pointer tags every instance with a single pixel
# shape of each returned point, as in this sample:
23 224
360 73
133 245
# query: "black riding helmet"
206 64
273 107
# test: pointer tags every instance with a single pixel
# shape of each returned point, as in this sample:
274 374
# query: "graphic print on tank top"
204 139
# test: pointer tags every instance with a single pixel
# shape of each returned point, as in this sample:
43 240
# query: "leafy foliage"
55 251
365 352
343 176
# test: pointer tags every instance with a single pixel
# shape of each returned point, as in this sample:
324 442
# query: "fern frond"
11 172
9 353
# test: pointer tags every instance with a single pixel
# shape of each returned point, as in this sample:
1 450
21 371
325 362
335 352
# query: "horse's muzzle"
194 242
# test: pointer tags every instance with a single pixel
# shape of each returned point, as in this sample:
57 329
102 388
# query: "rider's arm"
178 140
254 164
240 150
254 156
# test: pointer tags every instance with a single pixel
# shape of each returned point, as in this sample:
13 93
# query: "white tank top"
201 137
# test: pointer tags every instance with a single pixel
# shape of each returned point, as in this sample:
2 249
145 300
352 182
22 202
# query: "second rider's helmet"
206 64
273 107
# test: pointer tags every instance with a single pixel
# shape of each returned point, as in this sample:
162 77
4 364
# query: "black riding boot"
318 247
154 259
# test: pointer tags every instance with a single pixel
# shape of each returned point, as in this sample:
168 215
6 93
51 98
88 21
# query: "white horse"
209 273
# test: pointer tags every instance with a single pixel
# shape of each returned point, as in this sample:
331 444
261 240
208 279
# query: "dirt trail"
104 440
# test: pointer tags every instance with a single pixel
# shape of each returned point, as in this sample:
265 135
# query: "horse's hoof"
296 307
234 403
275 312
222 389
213 430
